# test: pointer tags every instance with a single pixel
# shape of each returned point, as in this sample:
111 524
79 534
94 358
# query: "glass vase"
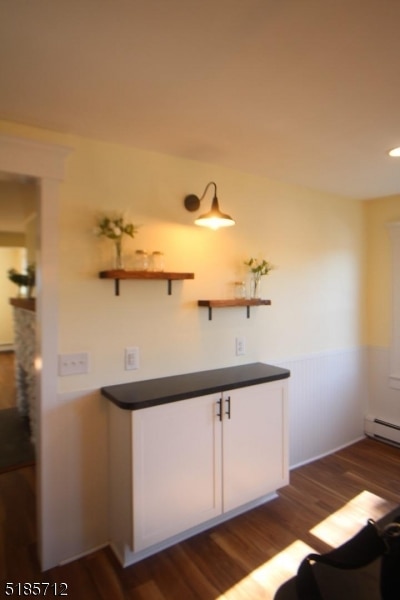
255 287
118 258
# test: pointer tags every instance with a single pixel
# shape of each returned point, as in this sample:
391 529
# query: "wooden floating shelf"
247 302
26 303
118 274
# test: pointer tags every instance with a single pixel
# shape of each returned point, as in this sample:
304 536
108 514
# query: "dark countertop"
152 392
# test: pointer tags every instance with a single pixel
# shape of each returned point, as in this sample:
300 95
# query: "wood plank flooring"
7 380
246 558
16 448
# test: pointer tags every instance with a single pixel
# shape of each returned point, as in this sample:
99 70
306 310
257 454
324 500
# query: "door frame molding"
45 163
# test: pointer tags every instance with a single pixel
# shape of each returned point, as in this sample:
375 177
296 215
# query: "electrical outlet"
73 364
240 346
131 358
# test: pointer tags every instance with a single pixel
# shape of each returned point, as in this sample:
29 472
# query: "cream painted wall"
383 399
378 213
315 240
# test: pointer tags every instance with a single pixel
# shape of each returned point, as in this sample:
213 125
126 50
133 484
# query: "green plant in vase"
114 228
258 269
24 280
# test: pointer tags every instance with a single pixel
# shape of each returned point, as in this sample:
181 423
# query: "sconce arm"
192 202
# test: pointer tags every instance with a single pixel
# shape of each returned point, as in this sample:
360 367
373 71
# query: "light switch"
131 358
73 364
240 346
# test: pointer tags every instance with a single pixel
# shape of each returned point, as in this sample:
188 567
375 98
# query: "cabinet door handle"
219 413
228 411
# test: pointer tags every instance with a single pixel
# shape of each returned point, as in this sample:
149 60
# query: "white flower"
113 227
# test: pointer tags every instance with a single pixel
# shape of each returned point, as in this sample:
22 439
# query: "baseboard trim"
83 554
308 461
7 348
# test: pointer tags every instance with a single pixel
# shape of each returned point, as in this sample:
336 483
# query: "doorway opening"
18 234
44 163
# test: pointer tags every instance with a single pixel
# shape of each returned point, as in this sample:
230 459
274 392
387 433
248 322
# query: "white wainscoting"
75 475
327 402
327 405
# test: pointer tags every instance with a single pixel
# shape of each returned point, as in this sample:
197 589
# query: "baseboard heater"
382 430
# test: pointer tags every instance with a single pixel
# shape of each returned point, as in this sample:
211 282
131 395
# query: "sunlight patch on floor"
340 526
348 520
263 582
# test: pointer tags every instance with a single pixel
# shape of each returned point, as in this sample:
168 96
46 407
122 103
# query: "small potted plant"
258 268
114 228
23 280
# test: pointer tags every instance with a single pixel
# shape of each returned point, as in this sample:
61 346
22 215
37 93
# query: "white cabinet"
254 453
180 465
176 469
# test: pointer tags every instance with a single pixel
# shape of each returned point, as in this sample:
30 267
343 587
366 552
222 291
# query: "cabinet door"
177 468
254 443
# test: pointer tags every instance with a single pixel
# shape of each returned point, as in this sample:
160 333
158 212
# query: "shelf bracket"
116 286
220 303
118 274
210 312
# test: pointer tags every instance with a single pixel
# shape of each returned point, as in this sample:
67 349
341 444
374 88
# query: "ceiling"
303 91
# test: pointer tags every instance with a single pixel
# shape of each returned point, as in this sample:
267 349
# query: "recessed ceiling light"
395 152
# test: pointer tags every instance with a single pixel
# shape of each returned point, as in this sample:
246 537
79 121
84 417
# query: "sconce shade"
214 218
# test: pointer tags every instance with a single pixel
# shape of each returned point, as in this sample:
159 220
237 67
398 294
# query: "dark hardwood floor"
16 449
246 558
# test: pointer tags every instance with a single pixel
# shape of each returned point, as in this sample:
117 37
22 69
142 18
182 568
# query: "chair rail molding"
394 363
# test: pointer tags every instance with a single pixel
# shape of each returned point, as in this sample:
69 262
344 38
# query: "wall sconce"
214 218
